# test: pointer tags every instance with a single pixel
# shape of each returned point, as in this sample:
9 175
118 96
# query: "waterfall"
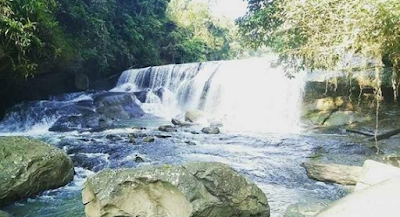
245 95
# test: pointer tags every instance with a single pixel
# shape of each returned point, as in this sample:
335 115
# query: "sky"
229 8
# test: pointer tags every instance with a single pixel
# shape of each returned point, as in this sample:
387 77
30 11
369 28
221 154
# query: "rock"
378 200
195 190
162 136
190 143
117 106
167 128
28 167
148 139
177 122
303 210
113 137
142 95
194 116
392 160
341 174
374 172
340 118
4 214
91 121
91 163
81 81
211 130
138 159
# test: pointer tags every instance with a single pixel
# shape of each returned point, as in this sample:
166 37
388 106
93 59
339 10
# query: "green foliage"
104 37
329 34
27 30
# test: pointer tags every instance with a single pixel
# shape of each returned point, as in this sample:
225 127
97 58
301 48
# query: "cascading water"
245 95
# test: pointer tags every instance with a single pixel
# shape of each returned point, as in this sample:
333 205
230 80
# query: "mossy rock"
28 167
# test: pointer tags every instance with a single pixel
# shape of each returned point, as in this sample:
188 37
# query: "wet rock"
139 128
303 210
374 172
138 159
142 95
163 136
81 122
341 174
113 137
194 116
392 160
195 190
118 106
167 128
190 143
378 200
148 139
210 130
91 163
177 122
28 167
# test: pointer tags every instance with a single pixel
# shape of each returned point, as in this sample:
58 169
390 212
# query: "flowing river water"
261 137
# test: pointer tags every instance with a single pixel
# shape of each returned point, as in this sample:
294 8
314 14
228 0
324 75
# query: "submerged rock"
148 139
28 167
211 130
167 128
303 210
341 174
192 190
378 200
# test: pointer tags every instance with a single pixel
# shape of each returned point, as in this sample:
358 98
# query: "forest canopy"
104 37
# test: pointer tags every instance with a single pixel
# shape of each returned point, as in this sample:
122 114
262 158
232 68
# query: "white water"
245 95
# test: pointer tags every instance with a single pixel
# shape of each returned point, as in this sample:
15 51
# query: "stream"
261 137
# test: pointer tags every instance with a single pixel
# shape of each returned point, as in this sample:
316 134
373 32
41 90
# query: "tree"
329 34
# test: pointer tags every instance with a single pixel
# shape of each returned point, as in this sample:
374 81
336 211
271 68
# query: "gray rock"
195 190
148 139
177 122
378 200
167 128
374 172
341 174
28 167
211 130
303 210
117 106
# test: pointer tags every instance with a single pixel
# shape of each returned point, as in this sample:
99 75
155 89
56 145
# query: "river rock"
211 130
341 174
167 128
340 118
303 210
374 172
194 116
177 122
195 190
378 200
28 167
118 106
148 139
4 214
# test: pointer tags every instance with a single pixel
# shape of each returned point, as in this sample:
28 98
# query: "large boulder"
28 167
195 190
374 172
379 200
341 174
4 214
210 130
